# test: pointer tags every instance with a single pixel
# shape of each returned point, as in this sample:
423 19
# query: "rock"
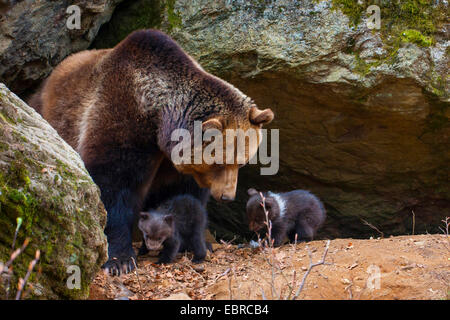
44 182
34 37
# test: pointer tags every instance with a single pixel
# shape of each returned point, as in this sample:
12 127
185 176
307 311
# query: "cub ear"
143 215
252 191
260 117
213 123
168 219
269 203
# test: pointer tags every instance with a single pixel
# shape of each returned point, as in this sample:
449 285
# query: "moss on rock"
416 37
63 217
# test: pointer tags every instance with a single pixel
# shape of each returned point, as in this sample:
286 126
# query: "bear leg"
170 250
123 182
278 234
143 249
118 232
198 246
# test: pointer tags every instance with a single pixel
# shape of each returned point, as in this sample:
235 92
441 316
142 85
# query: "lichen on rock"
44 182
34 37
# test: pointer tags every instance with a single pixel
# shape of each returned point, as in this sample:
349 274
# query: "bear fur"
118 107
177 225
297 214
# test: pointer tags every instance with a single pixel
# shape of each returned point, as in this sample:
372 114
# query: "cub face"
221 178
155 228
256 216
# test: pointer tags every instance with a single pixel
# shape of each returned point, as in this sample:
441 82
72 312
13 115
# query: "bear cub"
177 225
295 212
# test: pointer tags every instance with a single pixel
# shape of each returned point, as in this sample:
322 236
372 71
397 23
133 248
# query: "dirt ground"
404 267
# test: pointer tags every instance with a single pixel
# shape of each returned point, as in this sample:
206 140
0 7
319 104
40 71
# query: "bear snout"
226 198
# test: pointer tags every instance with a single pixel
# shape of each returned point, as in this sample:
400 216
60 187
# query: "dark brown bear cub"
177 225
297 212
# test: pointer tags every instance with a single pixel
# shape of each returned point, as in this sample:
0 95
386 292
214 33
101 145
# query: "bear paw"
116 266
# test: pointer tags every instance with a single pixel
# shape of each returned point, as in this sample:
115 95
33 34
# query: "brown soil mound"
410 267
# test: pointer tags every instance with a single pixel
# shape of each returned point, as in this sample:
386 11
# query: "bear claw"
116 267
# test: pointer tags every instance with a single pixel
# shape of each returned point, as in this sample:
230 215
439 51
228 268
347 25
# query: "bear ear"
143 215
213 123
260 117
252 192
269 203
269 206
168 219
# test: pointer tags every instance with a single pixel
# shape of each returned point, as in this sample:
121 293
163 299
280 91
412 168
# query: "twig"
414 221
137 276
229 287
373 227
36 280
311 266
349 289
291 287
228 243
263 295
196 272
222 275
6 266
15 254
19 223
270 261
23 282
445 231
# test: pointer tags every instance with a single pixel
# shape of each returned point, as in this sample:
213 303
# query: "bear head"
239 135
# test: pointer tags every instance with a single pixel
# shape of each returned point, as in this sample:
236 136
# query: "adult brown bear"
118 107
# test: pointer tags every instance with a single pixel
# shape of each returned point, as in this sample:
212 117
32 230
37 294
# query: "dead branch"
221 275
373 227
311 266
15 254
446 232
23 282
137 276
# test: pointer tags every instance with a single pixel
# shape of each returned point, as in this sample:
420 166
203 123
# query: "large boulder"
44 182
34 36
363 114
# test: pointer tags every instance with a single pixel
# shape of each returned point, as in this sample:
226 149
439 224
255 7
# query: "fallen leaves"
171 280
405 272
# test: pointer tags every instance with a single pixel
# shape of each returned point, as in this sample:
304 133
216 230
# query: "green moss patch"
416 37
421 15
414 21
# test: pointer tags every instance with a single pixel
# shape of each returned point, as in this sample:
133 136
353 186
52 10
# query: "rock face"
34 36
44 182
363 114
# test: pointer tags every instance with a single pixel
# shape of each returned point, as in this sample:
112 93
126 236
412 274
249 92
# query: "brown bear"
118 108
